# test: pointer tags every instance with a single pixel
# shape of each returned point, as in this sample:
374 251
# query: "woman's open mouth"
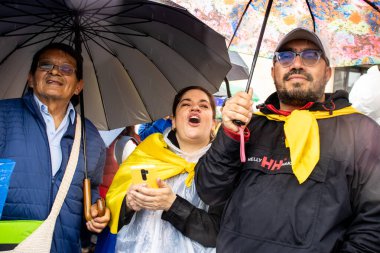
194 119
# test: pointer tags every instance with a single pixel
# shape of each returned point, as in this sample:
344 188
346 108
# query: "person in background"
37 132
157 126
310 182
365 94
170 218
117 152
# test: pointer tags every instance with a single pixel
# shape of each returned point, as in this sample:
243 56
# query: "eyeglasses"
65 69
309 57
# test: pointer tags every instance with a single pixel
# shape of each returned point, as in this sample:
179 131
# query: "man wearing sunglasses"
310 182
37 132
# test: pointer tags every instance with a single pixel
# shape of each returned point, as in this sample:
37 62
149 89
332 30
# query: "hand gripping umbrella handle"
87 201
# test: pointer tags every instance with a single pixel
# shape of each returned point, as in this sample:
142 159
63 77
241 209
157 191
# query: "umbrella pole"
227 87
86 181
256 55
311 14
87 199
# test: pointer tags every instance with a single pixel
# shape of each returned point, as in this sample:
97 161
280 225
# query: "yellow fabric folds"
302 137
152 151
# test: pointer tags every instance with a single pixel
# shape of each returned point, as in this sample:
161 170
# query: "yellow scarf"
302 137
152 151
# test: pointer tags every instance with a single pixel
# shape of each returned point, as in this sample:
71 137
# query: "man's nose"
55 70
297 62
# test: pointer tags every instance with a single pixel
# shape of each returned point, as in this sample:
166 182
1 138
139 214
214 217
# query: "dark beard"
297 97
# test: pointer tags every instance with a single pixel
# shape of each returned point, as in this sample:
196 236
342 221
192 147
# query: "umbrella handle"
87 201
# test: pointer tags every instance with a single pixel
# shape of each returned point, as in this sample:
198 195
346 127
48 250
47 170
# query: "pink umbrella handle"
242 145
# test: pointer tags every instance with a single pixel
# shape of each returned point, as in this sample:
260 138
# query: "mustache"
54 77
298 72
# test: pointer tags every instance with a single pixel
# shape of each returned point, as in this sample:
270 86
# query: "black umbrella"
239 70
137 54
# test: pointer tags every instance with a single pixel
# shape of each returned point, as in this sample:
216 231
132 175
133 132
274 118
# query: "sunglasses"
65 69
309 57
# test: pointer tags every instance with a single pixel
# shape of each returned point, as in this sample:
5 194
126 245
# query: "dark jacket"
337 209
32 187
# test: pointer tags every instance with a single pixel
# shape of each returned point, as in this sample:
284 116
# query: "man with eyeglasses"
311 180
37 132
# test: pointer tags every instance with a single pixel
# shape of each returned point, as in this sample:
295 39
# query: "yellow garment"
152 151
302 137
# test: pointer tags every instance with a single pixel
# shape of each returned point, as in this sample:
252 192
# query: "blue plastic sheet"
6 169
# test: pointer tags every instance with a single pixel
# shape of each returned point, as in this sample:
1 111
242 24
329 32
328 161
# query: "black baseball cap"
304 34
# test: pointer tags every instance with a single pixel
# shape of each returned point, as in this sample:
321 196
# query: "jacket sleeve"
363 234
125 215
157 126
218 170
197 224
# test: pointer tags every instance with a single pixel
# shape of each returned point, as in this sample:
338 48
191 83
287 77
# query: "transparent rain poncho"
147 232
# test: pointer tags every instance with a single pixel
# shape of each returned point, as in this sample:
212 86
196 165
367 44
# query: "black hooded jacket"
337 209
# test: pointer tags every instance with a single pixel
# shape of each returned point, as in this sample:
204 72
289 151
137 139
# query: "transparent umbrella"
349 27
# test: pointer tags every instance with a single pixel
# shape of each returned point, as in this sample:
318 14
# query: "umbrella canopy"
351 28
137 54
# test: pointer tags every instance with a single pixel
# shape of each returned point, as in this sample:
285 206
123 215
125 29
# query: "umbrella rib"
311 14
372 5
238 25
26 44
85 33
24 13
88 51
96 31
136 6
44 31
93 13
217 55
120 24
52 23
133 46
10 4
60 18
90 55
115 14
97 80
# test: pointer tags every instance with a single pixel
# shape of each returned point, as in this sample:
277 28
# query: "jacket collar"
32 107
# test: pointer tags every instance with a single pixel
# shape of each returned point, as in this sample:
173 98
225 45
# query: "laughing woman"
170 218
